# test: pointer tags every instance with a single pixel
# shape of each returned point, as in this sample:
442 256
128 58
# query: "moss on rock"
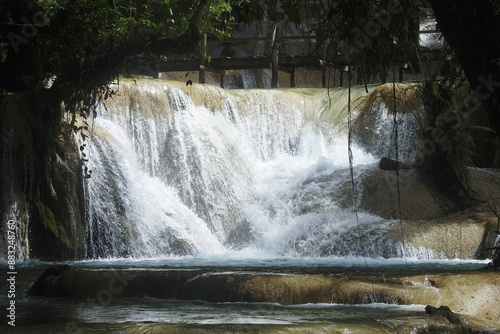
41 179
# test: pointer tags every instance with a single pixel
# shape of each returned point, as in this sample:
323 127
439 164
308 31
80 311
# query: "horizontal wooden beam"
285 63
241 63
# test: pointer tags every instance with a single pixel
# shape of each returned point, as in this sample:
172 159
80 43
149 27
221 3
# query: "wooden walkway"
284 54
221 66
289 64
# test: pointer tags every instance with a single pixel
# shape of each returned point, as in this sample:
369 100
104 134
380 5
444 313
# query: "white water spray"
199 170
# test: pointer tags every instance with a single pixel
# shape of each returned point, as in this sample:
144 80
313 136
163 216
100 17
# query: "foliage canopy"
84 44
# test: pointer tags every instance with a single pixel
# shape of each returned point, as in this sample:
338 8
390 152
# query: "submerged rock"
444 311
47 280
472 293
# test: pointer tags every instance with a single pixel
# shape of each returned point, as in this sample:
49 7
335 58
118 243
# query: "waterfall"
199 170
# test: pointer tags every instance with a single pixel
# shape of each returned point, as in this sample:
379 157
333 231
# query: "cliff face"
41 185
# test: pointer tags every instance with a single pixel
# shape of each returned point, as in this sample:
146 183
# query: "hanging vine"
351 159
495 251
396 146
87 107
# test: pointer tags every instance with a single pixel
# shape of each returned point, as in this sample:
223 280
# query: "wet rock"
40 183
390 164
443 311
445 237
445 329
45 284
473 293
419 195
430 220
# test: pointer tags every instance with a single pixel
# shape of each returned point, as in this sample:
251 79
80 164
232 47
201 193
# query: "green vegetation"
84 45
471 29
448 135
371 35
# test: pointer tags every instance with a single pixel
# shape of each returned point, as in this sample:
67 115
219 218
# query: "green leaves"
449 135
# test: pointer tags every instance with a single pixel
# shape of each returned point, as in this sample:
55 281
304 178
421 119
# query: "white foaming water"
199 171
132 212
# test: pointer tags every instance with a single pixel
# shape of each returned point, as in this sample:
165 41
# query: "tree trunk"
472 29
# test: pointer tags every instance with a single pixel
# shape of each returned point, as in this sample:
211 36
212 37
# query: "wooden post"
203 58
402 71
156 72
274 68
293 74
222 79
323 73
342 70
274 59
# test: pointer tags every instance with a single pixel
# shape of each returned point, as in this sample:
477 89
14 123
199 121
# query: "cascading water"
189 170
214 210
